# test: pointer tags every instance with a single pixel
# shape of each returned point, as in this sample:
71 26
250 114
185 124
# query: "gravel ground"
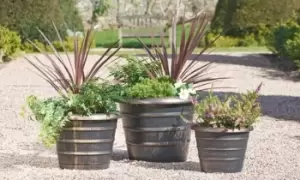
273 149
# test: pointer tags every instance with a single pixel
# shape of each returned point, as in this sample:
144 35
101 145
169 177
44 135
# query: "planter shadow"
10 160
185 166
119 155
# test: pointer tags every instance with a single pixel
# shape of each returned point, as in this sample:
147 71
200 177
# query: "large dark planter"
86 143
220 150
155 131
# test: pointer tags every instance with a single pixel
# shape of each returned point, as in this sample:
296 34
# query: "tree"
71 15
238 17
24 16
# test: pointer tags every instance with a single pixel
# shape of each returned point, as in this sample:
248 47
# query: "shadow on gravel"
253 60
185 166
119 155
33 160
276 106
283 68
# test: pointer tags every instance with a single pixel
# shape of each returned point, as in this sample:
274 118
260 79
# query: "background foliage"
10 43
24 16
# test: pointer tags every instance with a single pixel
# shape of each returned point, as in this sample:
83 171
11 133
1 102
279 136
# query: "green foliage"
94 98
10 43
24 16
71 15
151 88
53 113
257 37
235 112
285 41
237 17
68 43
100 8
133 71
293 49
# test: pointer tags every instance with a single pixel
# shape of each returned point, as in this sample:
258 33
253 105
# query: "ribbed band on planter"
221 150
87 142
155 130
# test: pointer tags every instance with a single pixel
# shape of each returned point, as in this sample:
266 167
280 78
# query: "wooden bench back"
141 26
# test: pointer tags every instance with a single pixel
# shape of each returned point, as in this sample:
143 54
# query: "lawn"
107 37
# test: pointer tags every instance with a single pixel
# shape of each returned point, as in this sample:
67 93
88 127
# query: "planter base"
86 143
221 151
155 131
84 167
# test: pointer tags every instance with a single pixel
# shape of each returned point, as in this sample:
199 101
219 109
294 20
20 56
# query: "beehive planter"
220 150
155 131
87 142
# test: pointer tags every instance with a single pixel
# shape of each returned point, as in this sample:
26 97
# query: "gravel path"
273 149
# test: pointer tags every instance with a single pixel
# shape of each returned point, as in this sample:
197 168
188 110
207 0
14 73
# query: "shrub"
10 43
235 111
151 88
293 49
24 16
284 40
229 41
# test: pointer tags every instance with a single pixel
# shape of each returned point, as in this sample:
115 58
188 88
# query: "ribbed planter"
87 142
220 150
155 131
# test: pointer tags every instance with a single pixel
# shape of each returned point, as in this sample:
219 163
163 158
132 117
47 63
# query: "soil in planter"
86 144
221 151
157 133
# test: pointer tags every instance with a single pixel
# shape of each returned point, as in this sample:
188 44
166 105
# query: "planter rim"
166 100
222 130
94 117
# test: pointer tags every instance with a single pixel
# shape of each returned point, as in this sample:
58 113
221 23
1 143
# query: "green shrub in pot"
153 106
82 119
223 128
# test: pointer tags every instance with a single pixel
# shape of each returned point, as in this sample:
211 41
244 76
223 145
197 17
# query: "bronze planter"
155 130
220 150
87 142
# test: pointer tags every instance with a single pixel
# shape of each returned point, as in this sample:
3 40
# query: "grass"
106 38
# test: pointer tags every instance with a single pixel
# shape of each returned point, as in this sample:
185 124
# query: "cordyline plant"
69 76
178 68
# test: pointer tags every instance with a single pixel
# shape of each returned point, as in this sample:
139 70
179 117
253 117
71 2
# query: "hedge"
239 17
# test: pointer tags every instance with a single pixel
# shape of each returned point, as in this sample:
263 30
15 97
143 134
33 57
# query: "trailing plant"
77 87
53 112
177 67
234 112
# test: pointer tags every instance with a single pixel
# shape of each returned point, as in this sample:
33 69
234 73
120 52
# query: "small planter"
221 151
87 142
155 130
